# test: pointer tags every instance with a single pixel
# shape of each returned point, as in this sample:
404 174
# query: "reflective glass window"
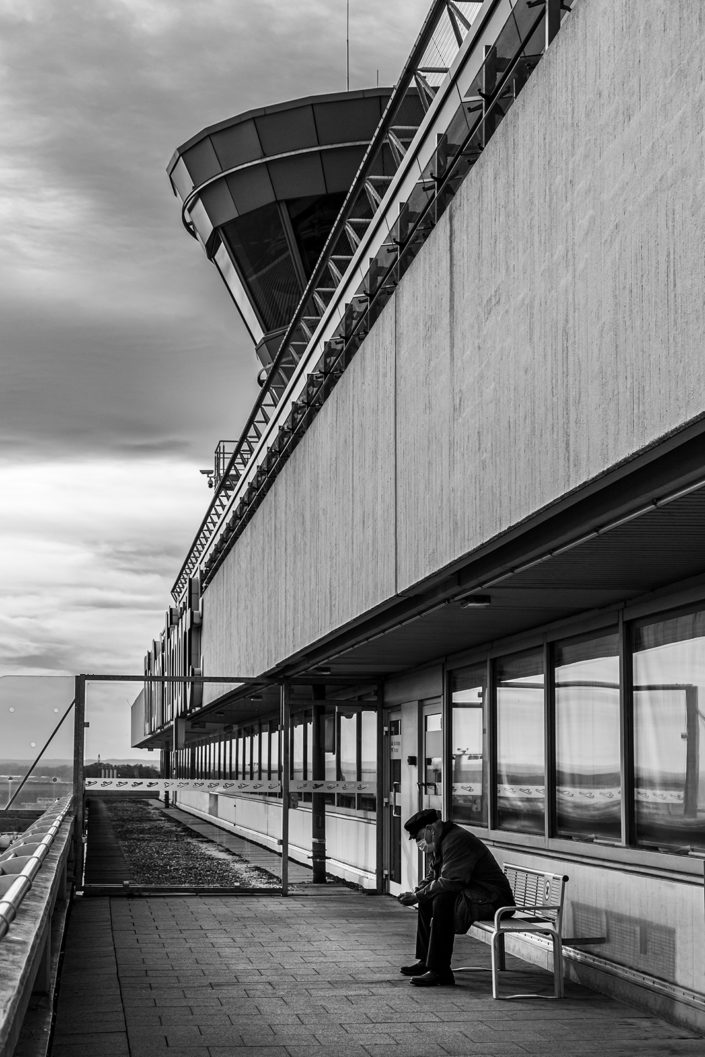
368 759
258 244
329 747
312 219
347 754
255 753
468 746
588 761
273 751
247 756
348 746
433 752
669 726
231 279
297 750
521 782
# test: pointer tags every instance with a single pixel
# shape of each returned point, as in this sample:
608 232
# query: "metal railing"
22 860
437 123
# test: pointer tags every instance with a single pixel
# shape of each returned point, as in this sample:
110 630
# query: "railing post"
79 739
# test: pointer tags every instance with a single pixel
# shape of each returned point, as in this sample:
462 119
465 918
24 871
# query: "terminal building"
455 558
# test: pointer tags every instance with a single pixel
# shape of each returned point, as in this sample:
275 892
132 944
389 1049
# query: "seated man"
464 884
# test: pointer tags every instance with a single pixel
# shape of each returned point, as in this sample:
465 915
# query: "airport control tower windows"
261 250
312 219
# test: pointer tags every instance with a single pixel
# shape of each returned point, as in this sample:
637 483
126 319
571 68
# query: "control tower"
261 191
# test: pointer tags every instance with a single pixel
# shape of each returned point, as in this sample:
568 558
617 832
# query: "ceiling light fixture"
474 601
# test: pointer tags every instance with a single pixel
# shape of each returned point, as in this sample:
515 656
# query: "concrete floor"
312 975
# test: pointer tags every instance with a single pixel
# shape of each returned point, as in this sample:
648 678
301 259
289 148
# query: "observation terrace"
249 974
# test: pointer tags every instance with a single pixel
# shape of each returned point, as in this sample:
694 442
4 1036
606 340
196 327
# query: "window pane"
368 759
255 753
468 748
259 246
274 750
588 766
669 724
348 747
329 747
521 783
311 219
433 751
297 752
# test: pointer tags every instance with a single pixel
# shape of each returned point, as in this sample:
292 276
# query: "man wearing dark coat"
464 884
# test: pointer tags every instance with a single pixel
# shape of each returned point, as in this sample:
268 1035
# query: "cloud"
123 360
90 551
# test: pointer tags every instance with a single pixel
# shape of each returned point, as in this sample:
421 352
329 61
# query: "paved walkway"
312 975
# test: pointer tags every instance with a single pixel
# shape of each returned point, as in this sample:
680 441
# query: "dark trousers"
435 931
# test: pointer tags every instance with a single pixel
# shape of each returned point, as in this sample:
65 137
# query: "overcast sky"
123 361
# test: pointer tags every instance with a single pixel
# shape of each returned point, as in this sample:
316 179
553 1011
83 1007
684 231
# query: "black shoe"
417 969
431 979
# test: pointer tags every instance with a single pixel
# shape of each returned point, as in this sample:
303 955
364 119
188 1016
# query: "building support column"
285 757
318 800
379 799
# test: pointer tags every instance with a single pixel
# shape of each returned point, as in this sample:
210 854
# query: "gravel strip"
160 850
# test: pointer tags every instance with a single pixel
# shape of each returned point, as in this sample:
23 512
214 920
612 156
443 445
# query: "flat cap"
420 820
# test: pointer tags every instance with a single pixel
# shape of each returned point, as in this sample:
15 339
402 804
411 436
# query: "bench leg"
557 967
501 960
497 961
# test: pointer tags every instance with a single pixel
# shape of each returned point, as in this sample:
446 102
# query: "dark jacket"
463 864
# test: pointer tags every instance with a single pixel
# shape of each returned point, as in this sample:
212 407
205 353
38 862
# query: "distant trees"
120 770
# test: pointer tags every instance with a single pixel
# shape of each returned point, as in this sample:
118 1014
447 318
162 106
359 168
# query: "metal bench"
539 898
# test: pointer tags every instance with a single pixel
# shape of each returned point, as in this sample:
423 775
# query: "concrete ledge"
28 951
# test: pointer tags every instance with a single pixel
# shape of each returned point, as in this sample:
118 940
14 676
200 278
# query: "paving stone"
262 977
247 1051
343 1049
88 1044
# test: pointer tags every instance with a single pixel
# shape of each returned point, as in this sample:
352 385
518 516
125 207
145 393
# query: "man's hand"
408 899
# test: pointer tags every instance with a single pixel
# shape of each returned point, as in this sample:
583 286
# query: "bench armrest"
538 909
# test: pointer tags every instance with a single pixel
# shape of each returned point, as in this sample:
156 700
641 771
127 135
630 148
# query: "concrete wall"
350 839
550 328
321 548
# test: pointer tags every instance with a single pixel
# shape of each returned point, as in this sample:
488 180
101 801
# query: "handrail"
16 883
